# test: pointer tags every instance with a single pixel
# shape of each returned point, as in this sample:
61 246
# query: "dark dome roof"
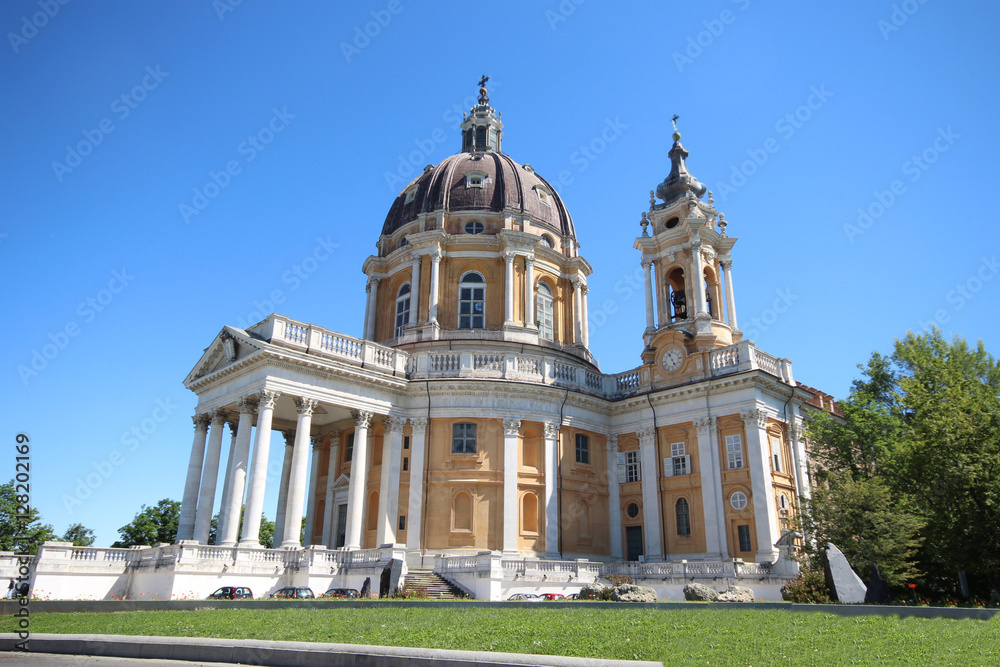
506 186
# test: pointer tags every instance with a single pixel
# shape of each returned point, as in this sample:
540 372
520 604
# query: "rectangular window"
406 442
349 450
402 522
406 463
582 449
734 451
679 462
463 439
744 535
776 453
632 467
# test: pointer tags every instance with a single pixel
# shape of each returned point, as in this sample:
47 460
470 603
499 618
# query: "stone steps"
436 587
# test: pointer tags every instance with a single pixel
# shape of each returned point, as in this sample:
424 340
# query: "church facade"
470 430
472 415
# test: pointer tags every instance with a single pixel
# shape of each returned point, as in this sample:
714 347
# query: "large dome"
480 181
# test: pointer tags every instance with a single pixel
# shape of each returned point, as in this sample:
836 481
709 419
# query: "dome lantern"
482 129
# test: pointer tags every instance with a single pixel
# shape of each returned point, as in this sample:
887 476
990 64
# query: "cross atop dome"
482 129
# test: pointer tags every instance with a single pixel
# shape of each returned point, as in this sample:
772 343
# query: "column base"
249 544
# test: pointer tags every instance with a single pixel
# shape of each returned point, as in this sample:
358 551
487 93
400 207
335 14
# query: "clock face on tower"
672 359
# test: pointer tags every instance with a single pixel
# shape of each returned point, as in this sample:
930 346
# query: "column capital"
613 442
289 434
418 426
266 398
726 264
436 255
393 424
372 282
247 405
696 245
551 430
511 426
305 406
334 436
201 421
585 290
755 417
233 425
577 282
705 426
219 417
646 262
529 260
362 419
508 256
647 436
316 442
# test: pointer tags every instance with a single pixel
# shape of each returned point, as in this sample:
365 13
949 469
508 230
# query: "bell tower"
690 305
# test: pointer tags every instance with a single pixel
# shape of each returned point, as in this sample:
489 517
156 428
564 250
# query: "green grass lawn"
675 637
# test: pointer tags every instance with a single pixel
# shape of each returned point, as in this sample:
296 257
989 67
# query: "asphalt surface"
51 660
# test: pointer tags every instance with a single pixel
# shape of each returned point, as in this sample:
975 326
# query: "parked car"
232 593
294 593
524 597
550 597
342 593
573 596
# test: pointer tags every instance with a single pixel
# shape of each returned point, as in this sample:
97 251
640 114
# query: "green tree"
864 519
20 531
950 457
151 525
266 529
79 535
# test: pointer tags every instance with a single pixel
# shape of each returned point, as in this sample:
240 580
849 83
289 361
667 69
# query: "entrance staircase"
435 586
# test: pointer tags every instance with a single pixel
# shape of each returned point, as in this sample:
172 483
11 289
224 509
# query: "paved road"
51 660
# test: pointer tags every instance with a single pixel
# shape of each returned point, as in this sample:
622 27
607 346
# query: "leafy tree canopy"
151 525
21 527
79 535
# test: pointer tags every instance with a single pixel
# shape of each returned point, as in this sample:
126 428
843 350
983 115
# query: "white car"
525 597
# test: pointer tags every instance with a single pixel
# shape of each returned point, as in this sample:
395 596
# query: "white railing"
529 365
488 362
627 382
446 362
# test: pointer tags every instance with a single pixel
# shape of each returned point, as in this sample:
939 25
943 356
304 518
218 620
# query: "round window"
672 222
738 500
632 510
474 227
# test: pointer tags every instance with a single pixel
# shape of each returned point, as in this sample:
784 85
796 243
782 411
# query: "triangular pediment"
342 482
229 347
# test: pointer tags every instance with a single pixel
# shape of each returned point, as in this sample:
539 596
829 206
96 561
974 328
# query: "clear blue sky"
830 103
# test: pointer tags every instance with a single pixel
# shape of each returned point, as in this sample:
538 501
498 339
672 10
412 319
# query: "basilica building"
471 432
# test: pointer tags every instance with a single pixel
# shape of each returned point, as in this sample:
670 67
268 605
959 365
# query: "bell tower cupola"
482 129
687 264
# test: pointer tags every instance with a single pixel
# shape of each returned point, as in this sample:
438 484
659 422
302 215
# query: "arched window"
683 513
529 513
675 290
480 138
544 311
372 512
402 309
472 301
547 240
462 512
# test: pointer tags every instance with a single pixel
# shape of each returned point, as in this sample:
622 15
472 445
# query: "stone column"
432 299
650 494
231 525
727 274
712 501
286 470
798 447
761 485
529 291
414 290
359 480
331 479
220 529
551 498
298 478
415 513
388 496
317 445
698 279
614 498
189 502
508 297
584 290
578 309
258 469
370 310
511 513
648 284
209 478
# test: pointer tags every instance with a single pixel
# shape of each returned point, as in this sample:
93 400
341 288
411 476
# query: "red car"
549 597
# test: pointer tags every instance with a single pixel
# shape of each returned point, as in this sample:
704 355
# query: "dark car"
342 593
232 593
294 593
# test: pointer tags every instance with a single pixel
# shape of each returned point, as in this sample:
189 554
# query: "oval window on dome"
547 240
474 227
672 222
